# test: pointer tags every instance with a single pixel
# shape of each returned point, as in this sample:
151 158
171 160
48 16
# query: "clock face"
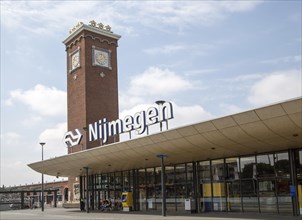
101 58
75 60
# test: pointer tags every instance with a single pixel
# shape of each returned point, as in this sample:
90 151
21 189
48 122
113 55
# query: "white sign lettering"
102 130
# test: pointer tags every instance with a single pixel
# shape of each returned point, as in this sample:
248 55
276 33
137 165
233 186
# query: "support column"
293 180
92 193
81 188
195 185
134 207
198 190
163 184
226 190
240 186
87 192
55 198
42 194
212 190
22 200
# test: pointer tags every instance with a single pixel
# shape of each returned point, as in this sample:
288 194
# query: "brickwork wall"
91 97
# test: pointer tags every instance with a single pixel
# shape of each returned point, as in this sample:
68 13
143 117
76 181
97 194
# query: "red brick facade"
92 91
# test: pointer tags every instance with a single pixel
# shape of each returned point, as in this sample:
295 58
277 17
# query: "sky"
209 58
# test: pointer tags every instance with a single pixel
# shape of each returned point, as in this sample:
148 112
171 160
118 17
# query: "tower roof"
97 28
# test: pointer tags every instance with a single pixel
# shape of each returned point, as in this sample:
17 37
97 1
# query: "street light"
42 199
163 184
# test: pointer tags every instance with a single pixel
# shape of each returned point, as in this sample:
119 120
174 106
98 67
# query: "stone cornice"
92 37
80 27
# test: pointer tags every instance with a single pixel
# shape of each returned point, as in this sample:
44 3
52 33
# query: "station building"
29 195
245 162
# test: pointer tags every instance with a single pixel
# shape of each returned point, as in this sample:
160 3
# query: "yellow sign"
300 197
127 199
218 190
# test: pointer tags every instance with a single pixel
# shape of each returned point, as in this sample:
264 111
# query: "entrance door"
266 183
283 182
233 196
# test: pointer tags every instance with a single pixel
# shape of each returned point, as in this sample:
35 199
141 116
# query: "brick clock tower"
92 85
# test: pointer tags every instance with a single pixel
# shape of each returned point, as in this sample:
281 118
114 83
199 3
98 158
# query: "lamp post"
42 193
163 184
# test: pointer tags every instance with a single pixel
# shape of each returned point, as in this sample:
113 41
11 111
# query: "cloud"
10 138
184 14
46 101
25 174
244 78
10 168
287 59
229 109
166 49
156 81
127 101
31 121
198 72
183 115
46 18
275 87
151 84
196 49
53 137
18 150
240 6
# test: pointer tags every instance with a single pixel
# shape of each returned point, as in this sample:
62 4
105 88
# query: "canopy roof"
271 128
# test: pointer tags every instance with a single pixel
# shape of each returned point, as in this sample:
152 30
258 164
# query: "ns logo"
71 139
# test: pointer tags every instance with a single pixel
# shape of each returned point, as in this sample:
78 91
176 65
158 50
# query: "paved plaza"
65 214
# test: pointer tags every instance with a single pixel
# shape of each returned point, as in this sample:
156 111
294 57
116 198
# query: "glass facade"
233 185
265 183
